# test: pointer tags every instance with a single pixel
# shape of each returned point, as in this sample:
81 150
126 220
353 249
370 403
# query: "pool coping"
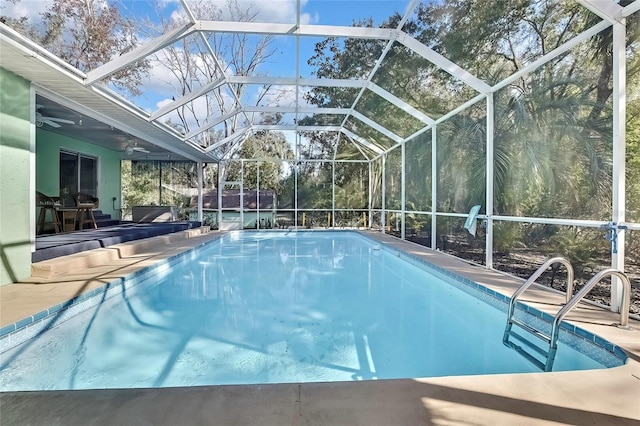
600 396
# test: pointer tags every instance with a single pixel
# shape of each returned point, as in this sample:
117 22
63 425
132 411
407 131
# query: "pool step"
45 270
528 354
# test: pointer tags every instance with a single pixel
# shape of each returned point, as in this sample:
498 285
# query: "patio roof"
68 93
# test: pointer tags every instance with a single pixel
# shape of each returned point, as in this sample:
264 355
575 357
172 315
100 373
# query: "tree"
192 66
86 34
266 170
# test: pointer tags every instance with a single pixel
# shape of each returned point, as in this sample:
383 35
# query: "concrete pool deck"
599 397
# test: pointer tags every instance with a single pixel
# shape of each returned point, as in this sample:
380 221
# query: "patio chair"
85 204
51 205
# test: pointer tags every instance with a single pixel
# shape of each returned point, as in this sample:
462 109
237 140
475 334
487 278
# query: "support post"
383 213
370 194
619 154
257 195
295 182
403 180
32 169
333 194
434 186
160 183
241 194
221 167
489 182
200 185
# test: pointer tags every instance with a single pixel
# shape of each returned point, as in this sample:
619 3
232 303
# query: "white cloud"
160 79
163 102
282 11
30 8
271 11
199 106
168 3
178 17
306 18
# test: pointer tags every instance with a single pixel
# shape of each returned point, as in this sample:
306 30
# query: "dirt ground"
523 263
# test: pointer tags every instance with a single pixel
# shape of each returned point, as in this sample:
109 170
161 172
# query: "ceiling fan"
130 149
51 121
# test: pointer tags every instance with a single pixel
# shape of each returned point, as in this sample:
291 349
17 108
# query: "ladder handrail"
624 309
557 319
532 279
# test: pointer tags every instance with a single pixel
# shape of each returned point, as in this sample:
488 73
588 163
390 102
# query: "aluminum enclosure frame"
611 13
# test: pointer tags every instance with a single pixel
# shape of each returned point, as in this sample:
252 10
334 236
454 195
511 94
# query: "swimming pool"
276 307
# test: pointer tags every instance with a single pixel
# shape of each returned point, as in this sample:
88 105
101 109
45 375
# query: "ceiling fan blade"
50 123
140 149
60 120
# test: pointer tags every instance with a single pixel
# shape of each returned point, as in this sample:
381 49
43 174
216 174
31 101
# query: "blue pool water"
275 307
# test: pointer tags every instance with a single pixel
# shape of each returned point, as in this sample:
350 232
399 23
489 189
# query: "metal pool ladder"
552 339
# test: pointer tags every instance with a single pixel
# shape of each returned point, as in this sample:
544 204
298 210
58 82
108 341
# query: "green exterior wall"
48 146
17 221
15 194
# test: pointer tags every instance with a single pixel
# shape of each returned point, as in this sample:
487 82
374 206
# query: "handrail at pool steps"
552 339
508 332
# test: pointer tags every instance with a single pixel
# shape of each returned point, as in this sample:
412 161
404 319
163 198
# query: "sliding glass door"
78 173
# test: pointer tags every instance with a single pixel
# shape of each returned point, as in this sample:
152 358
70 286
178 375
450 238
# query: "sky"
282 63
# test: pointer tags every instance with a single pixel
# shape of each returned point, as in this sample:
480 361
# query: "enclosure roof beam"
378 64
290 81
138 53
608 10
237 134
630 8
293 29
359 148
301 110
345 31
376 126
186 99
585 35
188 11
443 63
418 133
362 141
211 124
213 54
357 145
460 108
400 103
327 82
294 127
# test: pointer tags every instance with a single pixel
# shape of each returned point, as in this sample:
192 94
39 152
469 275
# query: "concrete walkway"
598 397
